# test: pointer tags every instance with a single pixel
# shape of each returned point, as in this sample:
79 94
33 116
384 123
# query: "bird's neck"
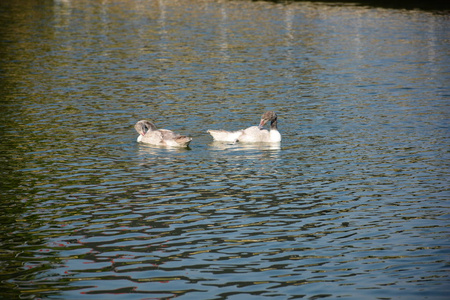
273 125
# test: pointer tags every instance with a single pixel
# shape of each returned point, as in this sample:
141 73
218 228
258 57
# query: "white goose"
253 134
161 137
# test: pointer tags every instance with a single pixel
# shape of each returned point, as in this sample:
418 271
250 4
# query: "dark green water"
353 204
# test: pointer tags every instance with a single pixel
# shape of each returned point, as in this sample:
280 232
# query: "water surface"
352 204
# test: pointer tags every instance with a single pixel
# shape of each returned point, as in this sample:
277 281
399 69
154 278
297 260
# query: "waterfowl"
149 134
253 134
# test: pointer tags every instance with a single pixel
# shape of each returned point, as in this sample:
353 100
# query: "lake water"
354 203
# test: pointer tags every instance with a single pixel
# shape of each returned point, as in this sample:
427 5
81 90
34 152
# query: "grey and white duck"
253 134
149 134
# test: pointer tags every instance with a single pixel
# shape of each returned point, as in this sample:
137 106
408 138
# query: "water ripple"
353 199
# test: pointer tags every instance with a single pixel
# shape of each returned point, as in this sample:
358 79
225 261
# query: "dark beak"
144 129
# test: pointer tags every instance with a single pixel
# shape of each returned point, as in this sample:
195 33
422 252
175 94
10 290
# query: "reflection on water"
245 146
353 199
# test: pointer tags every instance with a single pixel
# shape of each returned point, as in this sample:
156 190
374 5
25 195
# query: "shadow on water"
442 6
